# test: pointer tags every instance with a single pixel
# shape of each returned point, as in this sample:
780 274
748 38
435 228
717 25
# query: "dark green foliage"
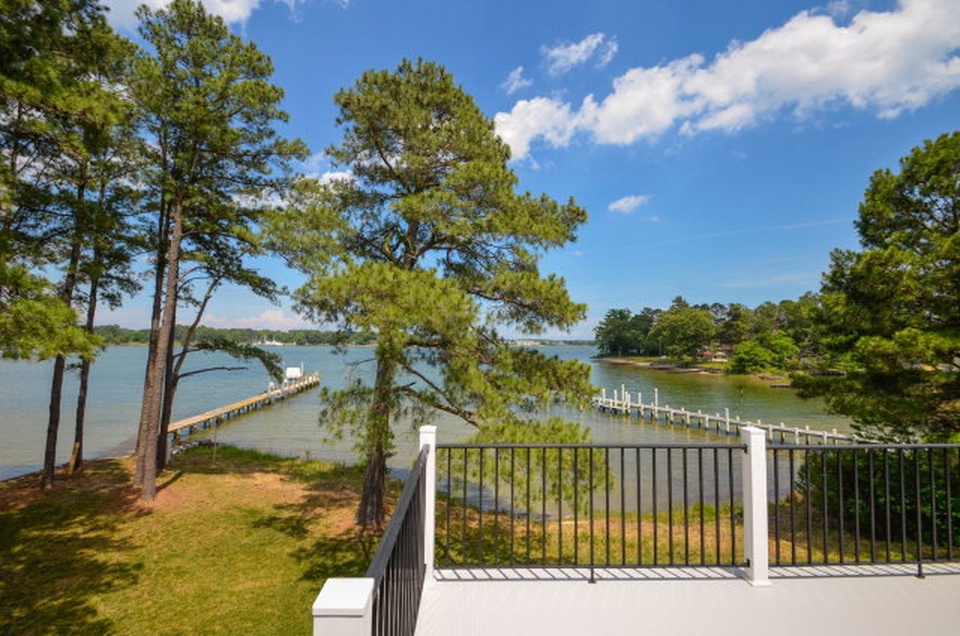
684 331
751 357
901 497
53 107
892 310
622 333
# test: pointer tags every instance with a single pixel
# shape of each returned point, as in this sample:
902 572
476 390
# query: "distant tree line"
117 335
769 336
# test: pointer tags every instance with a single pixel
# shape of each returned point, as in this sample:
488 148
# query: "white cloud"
317 166
563 57
884 62
645 102
121 14
267 319
539 117
628 204
515 81
336 175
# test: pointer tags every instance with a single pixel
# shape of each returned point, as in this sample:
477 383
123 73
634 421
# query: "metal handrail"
398 567
588 505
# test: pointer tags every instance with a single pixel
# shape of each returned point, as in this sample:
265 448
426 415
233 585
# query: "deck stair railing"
386 601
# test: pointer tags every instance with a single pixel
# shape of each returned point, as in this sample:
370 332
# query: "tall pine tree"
210 112
429 247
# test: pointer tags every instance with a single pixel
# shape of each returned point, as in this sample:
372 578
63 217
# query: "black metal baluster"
703 529
886 499
686 509
793 505
776 505
576 506
656 509
590 485
623 511
946 476
716 503
856 505
639 509
919 506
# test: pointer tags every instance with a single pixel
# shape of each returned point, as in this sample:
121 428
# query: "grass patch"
235 542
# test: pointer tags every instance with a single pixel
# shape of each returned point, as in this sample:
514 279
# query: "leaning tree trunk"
76 457
170 381
154 383
53 422
372 510
60 365
148 403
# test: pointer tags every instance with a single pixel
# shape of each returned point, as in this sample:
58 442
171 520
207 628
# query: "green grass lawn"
239 543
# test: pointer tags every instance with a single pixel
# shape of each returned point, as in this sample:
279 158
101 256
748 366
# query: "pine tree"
429 247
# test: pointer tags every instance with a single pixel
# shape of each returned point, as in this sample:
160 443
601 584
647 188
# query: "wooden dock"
622 403
223 414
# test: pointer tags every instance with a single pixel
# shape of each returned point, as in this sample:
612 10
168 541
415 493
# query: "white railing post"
428 437
344 607
755 546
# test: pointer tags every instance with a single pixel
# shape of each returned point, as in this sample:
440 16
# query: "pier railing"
622 402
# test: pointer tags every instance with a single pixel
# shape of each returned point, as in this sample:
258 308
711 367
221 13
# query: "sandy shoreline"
774 381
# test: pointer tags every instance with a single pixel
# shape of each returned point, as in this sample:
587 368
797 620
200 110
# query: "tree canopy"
50 98
892 309
428 245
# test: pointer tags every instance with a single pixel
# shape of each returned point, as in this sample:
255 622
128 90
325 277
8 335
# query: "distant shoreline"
772 380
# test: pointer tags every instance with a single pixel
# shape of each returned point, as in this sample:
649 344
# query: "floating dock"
622 403
223 414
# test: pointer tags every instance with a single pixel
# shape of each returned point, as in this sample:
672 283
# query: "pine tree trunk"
156 370
372 510
60 363
76 458
169 393
148 403
53 423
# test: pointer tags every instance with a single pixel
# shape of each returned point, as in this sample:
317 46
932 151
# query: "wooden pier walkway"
622 403
230 411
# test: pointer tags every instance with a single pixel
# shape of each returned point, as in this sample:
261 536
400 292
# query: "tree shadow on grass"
324 517
61 548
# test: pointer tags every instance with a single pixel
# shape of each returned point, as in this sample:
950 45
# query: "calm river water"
292 427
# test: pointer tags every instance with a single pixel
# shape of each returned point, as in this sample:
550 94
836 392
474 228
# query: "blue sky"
720 148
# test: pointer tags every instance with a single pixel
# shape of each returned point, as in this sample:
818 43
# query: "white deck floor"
867 600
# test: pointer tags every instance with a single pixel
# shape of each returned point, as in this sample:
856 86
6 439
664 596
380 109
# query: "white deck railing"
344 606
